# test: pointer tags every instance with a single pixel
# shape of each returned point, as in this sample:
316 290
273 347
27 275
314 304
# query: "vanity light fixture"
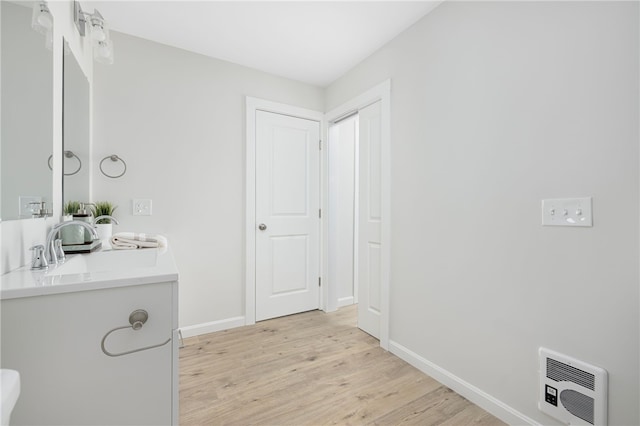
103 51
42 22
99 29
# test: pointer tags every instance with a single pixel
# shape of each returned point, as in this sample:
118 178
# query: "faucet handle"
39 261
57 246
53 255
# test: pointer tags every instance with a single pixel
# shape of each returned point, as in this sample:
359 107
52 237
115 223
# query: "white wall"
16 236
496 106
342 196
177 119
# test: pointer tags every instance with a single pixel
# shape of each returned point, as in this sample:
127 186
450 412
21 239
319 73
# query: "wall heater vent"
572 391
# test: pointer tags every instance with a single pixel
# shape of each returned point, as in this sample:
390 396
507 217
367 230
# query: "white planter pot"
105 231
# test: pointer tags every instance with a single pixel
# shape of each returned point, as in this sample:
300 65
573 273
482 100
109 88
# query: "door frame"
382 93
252 106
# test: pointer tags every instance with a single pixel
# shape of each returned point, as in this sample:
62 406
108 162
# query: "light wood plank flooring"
310 369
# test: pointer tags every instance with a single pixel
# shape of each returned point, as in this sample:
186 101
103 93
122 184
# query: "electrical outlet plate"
567 212
142 207
26 209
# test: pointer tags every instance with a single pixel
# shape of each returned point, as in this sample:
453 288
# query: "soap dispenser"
84 215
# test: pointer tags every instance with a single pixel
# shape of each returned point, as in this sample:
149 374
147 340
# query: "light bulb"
97 33
41 18
99 30
104 50
44 19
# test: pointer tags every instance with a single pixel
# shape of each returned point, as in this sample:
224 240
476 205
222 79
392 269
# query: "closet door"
370 220
343 209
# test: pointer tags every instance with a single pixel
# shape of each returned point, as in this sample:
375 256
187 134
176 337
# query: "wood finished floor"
310 369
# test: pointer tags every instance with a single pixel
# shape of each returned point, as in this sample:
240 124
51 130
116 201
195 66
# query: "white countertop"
84 273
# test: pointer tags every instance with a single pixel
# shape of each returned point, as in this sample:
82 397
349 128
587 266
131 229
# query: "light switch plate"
567 212
142 207
27 209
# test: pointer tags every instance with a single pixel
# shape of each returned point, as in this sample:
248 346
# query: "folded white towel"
132 240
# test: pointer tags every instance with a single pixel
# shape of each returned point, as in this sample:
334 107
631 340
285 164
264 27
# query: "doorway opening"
366 121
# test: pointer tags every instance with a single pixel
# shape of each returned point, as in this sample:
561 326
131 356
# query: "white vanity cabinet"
54 341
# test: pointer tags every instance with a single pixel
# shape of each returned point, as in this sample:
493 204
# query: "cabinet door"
54 341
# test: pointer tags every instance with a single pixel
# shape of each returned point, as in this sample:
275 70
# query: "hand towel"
132 240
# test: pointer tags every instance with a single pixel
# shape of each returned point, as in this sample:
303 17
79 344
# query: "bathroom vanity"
83 357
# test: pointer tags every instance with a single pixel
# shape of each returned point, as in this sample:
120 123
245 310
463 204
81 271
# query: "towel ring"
67 154
137 319
113 158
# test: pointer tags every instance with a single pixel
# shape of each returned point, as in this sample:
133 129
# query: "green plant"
71 207
103 208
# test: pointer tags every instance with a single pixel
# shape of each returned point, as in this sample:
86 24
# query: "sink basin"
93 271
10 388
117 260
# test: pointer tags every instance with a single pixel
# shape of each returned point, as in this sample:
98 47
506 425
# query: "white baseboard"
345 301
211 327
467 390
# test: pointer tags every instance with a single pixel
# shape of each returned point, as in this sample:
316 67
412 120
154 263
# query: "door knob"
262 227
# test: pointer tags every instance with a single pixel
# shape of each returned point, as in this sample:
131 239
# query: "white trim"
482 399
253 105
381 92
345 301
212 327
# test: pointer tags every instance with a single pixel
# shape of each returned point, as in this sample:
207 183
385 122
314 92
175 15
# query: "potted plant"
70 208
104 225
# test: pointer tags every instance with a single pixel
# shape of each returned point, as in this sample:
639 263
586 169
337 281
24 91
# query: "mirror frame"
76 136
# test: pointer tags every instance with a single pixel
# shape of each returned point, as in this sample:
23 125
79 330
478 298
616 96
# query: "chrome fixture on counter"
50 249
40 210
39 260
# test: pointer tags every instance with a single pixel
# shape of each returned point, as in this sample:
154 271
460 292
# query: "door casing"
382 93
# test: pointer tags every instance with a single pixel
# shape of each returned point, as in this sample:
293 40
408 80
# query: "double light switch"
142 207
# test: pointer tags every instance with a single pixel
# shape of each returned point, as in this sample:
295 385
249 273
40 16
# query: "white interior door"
370 220
287 215
343 137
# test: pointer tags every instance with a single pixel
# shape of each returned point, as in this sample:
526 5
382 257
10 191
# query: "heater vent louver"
560 371
571 390
578 404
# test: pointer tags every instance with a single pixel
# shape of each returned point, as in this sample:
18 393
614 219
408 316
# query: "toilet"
10 391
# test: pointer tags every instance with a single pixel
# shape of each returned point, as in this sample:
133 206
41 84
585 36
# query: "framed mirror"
75 130
26 113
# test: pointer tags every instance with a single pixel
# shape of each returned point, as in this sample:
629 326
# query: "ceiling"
310 41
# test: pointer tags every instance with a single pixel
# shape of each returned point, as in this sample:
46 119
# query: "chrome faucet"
50 249
39 260
105 216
